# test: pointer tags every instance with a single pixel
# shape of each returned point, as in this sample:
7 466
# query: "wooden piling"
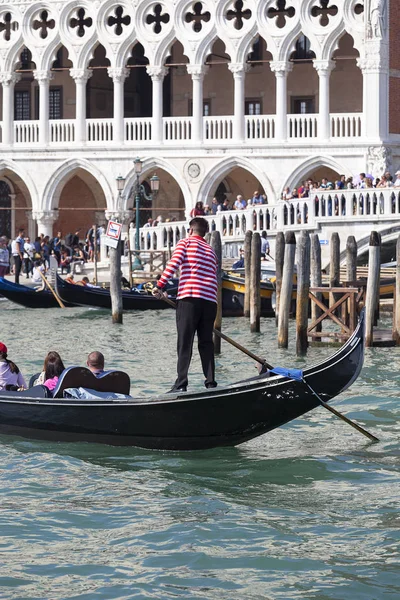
351 259
334 267
95 255
255 287
303 289
130 262
247 272
316 278
396 299
286 290
216 244
279 258
115 284
374 263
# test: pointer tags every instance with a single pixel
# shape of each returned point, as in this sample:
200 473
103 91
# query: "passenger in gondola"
52 369
95 363
37 280
10 376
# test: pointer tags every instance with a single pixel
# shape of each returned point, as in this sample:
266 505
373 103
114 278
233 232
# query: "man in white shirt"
29 251
17 250
4 256
397 181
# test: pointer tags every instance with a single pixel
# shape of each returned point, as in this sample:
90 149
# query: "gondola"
27 296
98 297
223 416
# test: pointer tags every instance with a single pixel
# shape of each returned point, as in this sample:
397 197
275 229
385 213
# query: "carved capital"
43 76
45 217
197 71
120 216
80 75
281 67
324 66
9 78
157 73
239 69
118 74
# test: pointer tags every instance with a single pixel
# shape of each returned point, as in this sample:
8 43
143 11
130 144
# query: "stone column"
8 81
31 225
281 69
239 71
157 75
375 70
324 69
197 73
118 75
45 220
43 78
81 77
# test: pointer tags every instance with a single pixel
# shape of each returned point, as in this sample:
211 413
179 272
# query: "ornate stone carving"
118 74
157 72
120 216
43 76
377 19
80 74
379 160
197 71
280 66
239 68
45 217
9 78
324 66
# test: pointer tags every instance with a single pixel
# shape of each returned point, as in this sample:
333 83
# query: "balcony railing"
259 129
322 208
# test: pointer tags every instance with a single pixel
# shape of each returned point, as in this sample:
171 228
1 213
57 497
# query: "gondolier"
197 301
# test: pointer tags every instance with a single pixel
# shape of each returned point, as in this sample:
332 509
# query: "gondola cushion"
76 377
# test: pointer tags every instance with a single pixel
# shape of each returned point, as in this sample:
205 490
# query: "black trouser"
17 267
195 315
28 266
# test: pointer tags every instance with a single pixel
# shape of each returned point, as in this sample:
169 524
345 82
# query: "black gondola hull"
27 296
221 417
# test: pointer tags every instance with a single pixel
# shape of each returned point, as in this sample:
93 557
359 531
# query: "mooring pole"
303 289
351 259
255 280
279 259
216 244
316 278
115 283
247 272
374 263
286 291
396 299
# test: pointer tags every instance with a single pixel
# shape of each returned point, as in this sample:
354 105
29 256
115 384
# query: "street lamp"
139 193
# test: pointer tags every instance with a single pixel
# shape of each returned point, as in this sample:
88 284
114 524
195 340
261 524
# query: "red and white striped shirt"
198 264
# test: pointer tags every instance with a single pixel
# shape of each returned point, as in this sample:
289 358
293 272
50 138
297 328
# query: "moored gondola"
224 416
28 296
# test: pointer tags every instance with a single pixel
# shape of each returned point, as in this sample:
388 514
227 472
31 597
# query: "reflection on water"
308 511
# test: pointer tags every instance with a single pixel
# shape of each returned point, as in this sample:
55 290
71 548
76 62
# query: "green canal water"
309 511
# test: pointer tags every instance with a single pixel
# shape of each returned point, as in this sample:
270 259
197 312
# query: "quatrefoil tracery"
324 11
43 24
8 26
118 20
280 13
197 16
81 22
157 18
238 14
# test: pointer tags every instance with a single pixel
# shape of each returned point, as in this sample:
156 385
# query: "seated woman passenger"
10 375
52 369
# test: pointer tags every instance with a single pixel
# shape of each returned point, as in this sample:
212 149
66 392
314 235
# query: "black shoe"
212 384
175 390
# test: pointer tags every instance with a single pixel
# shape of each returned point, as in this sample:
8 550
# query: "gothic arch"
223 168
27 186
311 163
149 166
64 173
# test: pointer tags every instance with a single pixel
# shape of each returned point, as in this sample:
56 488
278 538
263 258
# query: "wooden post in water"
316 278
279 258
396 298
247 271
303 289
95 254
374 263
351 259
115 284
216 244
286 290
255 287
334 267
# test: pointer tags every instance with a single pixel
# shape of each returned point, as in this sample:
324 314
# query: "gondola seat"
38 391
76 377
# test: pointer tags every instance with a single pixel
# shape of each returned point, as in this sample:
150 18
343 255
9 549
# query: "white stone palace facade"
217 97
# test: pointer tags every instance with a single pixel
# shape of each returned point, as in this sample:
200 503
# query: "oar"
263 362
230 340
56 296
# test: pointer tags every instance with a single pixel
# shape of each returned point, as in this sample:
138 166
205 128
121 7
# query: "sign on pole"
113 234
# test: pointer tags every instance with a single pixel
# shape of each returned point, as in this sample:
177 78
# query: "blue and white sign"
113 234
324 242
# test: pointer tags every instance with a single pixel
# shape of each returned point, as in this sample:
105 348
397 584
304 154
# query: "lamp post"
139 193
115 266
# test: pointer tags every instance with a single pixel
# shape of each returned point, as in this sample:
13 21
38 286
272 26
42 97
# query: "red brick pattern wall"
394 63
